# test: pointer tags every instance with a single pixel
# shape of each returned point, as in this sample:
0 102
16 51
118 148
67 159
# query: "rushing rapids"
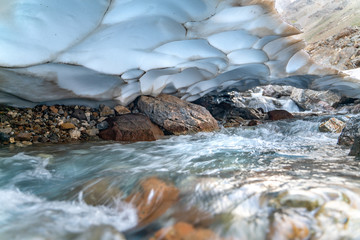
281 180
75 51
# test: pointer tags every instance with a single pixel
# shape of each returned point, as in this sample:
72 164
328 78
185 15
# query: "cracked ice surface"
117 50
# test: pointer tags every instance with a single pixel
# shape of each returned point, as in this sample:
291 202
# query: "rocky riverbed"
149 118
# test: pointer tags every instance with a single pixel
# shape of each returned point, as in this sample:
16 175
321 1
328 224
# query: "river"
278 180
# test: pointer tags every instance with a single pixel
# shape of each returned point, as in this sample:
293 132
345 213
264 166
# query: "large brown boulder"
177 116
131 128
152 199
276 115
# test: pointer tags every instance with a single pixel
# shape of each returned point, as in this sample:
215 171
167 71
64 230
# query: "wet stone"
153 198
332 125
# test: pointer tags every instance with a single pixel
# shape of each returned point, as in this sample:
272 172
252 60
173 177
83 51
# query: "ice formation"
115 50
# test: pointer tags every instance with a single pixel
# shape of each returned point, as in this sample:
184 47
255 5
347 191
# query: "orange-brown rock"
177 116
131 128
153 199
67 126
184 231
279 115
54 109
121 110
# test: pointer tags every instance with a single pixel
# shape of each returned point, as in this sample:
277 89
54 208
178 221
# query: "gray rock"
225 108
351 130
315 100
277 91
355 149
79 114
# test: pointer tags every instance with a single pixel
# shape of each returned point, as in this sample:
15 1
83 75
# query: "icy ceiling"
59 50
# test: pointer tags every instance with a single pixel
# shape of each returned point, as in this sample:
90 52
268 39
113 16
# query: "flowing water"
280 180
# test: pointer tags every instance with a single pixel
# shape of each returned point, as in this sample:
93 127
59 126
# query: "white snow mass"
116 50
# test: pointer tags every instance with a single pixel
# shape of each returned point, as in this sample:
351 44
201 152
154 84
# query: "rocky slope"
320 19
341 50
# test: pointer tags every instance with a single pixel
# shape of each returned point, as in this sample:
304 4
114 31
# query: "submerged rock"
103 232
184 231
177 116
276 115
288 227
153 198
131 128
351 130
277 91
332 125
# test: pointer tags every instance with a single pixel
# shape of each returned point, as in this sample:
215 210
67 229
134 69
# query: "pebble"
66 126
106 111
103 125
75 134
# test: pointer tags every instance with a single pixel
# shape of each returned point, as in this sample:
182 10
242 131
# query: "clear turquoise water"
256 182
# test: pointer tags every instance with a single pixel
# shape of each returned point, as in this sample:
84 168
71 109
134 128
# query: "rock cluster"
151 198
54 124
62 124
149 118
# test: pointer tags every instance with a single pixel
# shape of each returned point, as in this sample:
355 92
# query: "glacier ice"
116 50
